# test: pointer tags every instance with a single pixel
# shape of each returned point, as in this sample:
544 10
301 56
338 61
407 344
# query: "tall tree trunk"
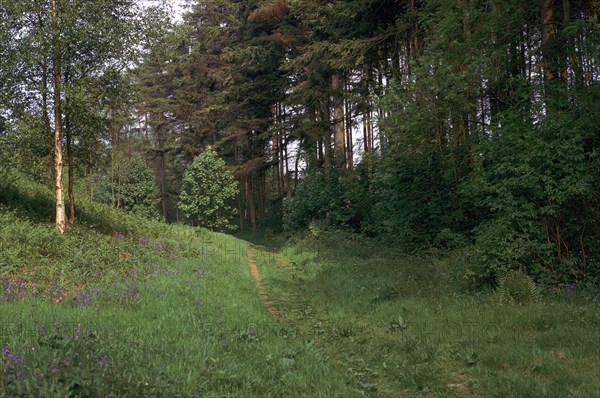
119 173
91 177
61 216
69 138
161 177
339 132
261 194
241 203
295 174
573 60
113 165
250 201
310 143
275 152
162 183
349 139
46 117
326 118
548 39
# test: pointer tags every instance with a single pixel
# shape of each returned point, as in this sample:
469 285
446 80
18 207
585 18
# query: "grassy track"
123 307
192 327
400 325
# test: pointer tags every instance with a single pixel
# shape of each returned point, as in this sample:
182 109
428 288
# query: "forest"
425 123
451 147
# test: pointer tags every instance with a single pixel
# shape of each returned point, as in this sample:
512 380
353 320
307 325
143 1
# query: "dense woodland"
424 123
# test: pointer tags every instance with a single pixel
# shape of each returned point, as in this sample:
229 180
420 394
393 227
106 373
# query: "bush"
208 192
516 287
337 200
137 192
537 186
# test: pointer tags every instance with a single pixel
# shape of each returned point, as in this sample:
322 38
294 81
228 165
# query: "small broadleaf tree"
138 191
208 192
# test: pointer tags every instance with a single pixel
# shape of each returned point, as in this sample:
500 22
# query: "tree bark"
71 194
349 139
574 61
61 217
46 117
275 152
162 183
548 38
326 118
339 132
113 165
250 201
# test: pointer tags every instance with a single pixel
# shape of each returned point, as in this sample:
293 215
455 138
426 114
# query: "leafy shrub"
208 192
516 287
311 200
135 188
537 187
139 190
332 197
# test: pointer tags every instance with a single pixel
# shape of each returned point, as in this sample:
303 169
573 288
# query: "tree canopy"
428 123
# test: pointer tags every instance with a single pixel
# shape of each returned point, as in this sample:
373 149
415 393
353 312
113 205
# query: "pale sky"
177 5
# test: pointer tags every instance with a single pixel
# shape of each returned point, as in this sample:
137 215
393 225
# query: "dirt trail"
259 286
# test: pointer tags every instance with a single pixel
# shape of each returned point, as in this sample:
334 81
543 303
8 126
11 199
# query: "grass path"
401 327
195 327
271 308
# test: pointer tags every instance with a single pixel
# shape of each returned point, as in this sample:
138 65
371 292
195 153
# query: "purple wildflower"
13 359
83 298
14 364
103 361
10 290
118 235
596 298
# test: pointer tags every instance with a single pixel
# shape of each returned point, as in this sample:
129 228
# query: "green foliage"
138 188
403 325
416 200
23 149
516 287
208 191
537 184
134 186
334 198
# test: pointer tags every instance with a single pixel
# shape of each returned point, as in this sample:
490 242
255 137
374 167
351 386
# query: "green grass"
98 313
126 307
195 328
400 325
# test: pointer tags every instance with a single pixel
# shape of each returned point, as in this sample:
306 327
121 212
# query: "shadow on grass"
35 206
264 239
36 203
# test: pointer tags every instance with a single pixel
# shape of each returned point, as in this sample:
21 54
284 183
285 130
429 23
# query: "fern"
516 287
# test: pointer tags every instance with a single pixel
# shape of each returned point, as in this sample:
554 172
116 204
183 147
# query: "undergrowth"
418 325
122 306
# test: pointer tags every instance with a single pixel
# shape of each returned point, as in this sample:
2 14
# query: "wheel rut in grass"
271 308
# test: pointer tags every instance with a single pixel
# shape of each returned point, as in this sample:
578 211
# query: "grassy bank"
123 306
400 325
127 307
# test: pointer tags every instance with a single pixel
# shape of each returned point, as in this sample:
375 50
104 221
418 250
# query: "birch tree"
54 45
